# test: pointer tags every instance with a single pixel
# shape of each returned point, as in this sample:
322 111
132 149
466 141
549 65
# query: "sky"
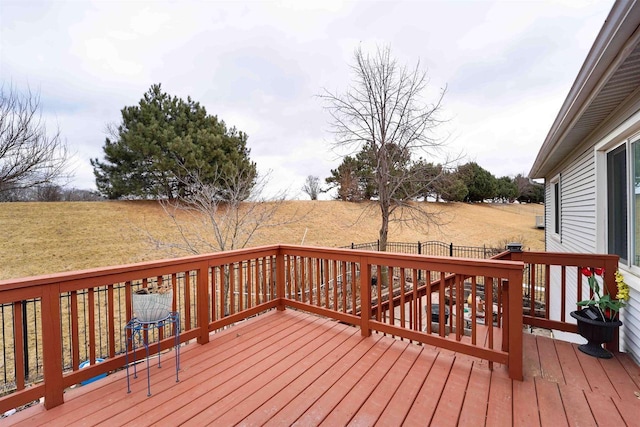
259 66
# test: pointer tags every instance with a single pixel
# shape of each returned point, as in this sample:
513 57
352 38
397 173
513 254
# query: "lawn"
40 238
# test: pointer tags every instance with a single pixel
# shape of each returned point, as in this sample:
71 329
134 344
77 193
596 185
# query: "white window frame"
555 214
602 217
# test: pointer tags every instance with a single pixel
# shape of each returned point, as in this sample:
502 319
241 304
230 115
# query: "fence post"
365 297
280 279
352 246
451 249
52 346
203 302
515 323
378 245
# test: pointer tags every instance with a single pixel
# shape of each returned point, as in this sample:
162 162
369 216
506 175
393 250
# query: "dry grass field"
40 238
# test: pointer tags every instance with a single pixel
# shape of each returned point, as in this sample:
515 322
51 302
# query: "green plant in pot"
598 320
153 303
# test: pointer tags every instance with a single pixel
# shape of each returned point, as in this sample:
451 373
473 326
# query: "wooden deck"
285 368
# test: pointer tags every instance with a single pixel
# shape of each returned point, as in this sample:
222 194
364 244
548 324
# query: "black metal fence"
433 248
32 332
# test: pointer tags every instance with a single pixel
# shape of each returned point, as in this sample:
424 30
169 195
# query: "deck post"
52 346
515 323
365 297
203 303
280 279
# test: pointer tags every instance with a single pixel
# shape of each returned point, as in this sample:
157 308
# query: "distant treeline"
49 193
469 182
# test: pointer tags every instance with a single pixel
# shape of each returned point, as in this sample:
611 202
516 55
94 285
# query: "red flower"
587 271
599 271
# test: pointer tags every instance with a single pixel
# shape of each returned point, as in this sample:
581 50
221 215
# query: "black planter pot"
595 331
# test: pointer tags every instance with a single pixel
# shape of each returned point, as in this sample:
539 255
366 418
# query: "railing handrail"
99 272
459 264
508 265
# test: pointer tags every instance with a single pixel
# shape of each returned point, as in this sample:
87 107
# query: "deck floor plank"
359 394
576 406
551 409
531 360
221 365
604 410
194 364
549 363
623 384
370 412
500 404
288 381
525 404
295 368
632 368
206 394
274 403
629 409
322 407
303 401
268 381
571 368
474 408
400 404
598 380
426 402
450 405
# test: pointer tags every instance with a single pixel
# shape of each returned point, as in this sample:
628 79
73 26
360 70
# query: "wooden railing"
553 284
80 316
394 293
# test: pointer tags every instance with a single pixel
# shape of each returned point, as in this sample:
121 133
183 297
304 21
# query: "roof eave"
620 25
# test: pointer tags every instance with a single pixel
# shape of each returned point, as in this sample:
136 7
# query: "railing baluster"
334 277
459 325
92 325
263 280
232 289
474 307
303 280
241 306
18 338
187 301
403 281
75 336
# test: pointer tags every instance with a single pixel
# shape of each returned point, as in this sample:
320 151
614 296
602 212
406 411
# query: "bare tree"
29 157
218 217
384 113
312 187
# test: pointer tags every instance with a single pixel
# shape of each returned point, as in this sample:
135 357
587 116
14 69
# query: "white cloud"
257 65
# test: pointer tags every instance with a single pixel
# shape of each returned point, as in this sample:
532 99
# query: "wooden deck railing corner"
214 291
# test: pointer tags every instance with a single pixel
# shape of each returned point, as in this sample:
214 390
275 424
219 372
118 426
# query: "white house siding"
630 333
578 234
577 207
